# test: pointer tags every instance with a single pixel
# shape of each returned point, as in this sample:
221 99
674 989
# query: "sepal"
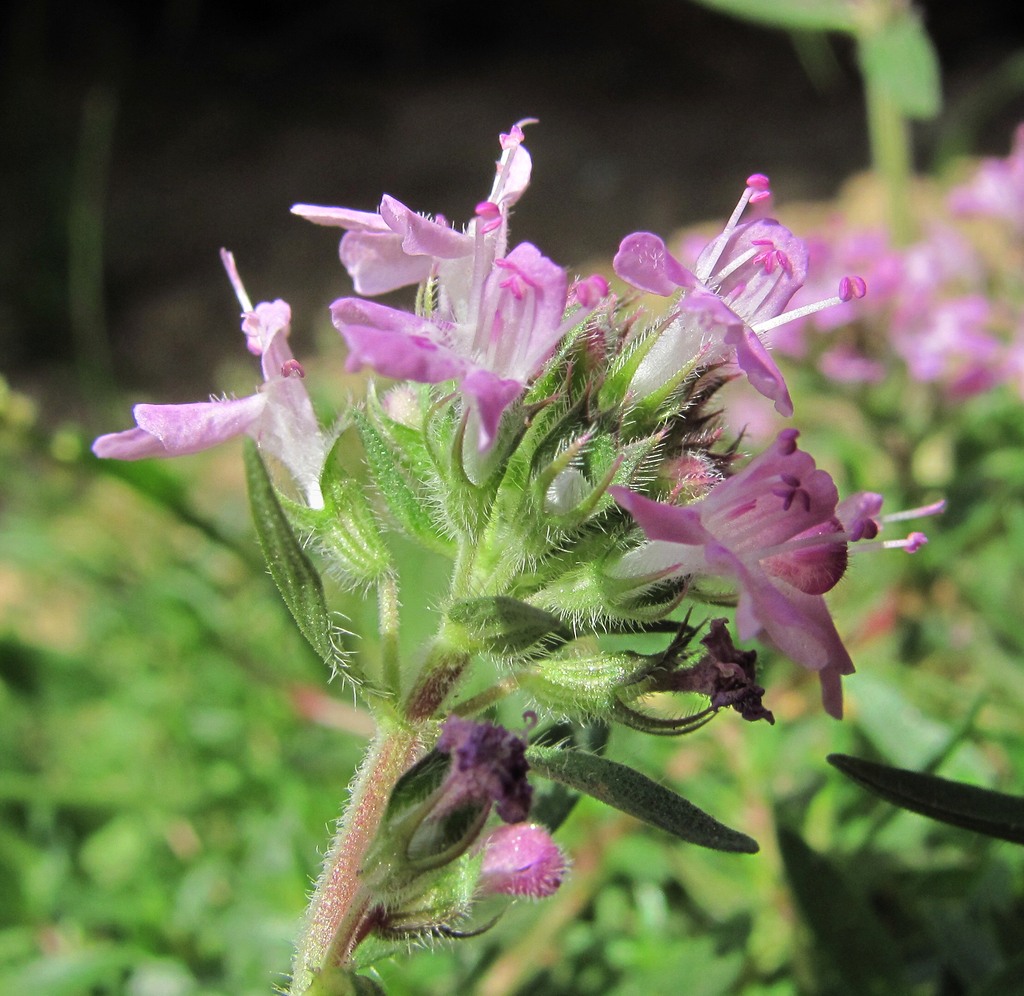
345 532
394 474
507 627
581 686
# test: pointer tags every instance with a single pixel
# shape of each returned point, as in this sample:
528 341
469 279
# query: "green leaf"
631 792
993 814
292 571
507 626
796 15
902 62
854 952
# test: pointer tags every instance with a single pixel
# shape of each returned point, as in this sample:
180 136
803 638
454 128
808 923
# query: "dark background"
138 139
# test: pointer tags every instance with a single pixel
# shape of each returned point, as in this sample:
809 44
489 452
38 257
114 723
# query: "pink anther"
291 368
852 287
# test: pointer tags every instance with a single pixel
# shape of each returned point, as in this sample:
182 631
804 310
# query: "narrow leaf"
993 814
292 571
851 947
627 790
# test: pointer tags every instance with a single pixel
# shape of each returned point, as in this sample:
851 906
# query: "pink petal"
339 217
659 521
422 236
644 261
377 264
184 429
132 444
394 343
754 360
491 395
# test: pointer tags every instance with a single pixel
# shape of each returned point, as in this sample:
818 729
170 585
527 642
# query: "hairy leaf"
631 792
293 572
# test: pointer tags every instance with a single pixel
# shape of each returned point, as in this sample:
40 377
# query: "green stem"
480 701
889 134
340 902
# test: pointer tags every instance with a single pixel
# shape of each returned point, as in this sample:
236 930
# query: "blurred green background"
172 756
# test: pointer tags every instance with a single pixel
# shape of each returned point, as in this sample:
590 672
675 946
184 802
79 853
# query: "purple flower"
279 416
396 247
492 340
521 860
488 765
725 674
773 529
736 292
997 187
493 319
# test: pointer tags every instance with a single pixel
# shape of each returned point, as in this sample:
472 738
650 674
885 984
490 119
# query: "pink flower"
493 318
521 859
736 292
492 340
773 529
997 187
279 416
396 247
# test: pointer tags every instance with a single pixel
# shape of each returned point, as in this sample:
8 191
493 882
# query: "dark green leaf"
292 571
854 952
631 792
993 814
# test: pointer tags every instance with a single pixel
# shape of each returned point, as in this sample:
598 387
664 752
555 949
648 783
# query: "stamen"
916 513
734 265
292 367
911 544
755 190
853 287
490 214
236 281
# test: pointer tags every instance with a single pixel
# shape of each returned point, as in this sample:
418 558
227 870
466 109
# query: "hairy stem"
339 902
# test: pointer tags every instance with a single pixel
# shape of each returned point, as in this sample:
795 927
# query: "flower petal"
422 236
184 429
491 395
394 343
754 360
659 521
177 430
377 264
644 261
340 217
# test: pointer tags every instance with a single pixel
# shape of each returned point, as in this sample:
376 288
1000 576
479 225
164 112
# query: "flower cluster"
948 308
562 442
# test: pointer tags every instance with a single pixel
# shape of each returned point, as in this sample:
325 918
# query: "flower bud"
521 859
